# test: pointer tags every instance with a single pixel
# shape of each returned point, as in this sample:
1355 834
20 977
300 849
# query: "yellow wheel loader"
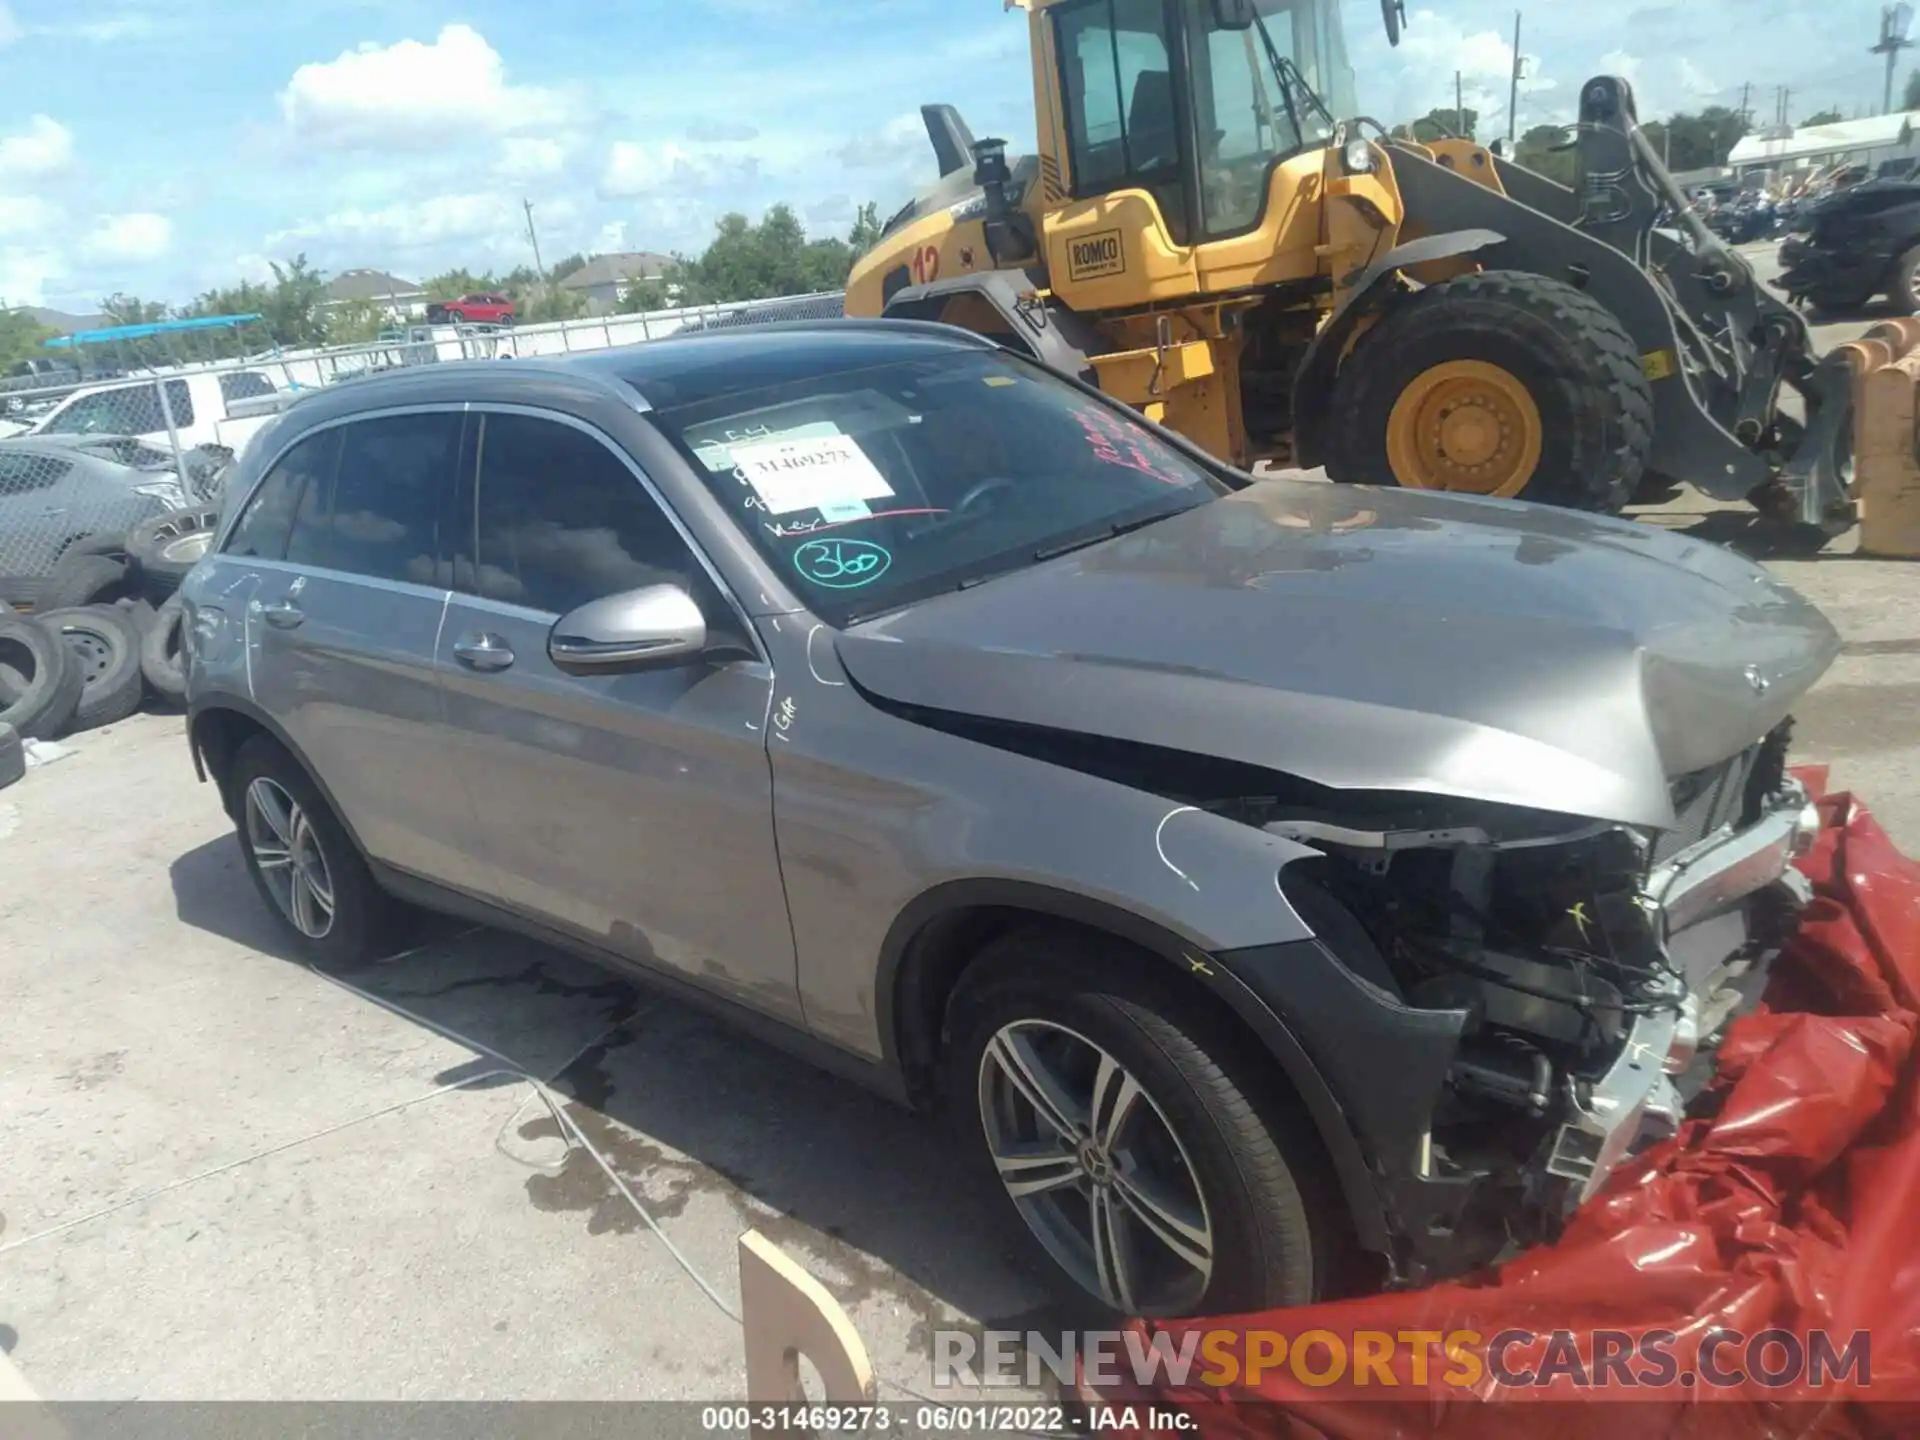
1211 233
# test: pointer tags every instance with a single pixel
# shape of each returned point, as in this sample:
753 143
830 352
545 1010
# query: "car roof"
671 371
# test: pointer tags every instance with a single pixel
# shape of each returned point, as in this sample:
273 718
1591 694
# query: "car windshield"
873 487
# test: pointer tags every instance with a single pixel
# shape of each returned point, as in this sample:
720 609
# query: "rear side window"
244 385
562 520
180 402
263 527
23 474
380 516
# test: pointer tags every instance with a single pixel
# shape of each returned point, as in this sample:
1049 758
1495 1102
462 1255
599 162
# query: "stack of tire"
106 633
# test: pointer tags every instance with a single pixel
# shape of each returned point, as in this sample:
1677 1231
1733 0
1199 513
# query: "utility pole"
1513 95
1459 109
535 238
1894 23
1746 109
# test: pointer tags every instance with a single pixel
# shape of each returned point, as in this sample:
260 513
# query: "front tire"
1131 1135
1502 384
304 864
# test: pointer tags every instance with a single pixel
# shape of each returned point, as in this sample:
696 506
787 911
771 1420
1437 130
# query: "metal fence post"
173 432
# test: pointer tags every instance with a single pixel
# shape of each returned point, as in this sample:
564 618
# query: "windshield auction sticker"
816 473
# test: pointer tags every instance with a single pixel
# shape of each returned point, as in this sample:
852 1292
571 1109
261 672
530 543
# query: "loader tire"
1535 386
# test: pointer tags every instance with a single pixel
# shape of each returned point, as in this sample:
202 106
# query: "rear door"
344 632
635 810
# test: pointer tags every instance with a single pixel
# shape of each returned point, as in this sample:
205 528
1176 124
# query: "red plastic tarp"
1796 1208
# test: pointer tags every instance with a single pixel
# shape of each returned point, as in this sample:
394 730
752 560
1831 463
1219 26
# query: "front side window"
880 484
1123 120
560 520
263 528
380 516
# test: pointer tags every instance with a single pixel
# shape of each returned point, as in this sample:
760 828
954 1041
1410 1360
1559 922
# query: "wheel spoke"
1037 1084
1115 1093
1180 1228
271 857
272 806
1035 1169
1111 1260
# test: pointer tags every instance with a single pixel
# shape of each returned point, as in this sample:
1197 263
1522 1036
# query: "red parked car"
485 308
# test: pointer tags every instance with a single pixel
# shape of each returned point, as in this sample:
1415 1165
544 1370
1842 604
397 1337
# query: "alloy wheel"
287 852
1095 1169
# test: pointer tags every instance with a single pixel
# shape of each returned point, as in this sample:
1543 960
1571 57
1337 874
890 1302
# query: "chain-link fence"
86 453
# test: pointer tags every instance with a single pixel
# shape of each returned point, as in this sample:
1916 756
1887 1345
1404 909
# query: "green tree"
293 307
1911 99
20 337
1824 117
567 266
355 322
545 300
866 229
1439 124
118 309
454 283
1537 151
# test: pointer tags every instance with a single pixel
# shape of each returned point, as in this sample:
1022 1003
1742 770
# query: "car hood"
1381 640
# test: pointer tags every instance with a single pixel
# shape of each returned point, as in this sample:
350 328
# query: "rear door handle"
483 652
283 615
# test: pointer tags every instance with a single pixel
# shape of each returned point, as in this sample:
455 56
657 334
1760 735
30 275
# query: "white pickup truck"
212 407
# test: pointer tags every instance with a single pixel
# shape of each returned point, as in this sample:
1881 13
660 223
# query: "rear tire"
304 864
1236 1170
1904 291
1565 382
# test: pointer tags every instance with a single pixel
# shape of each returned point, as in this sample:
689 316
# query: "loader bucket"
1884 369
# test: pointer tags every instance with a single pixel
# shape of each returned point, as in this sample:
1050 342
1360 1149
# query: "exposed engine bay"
1594 1002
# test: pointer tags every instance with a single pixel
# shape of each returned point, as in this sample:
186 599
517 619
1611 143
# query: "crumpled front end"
1532 1006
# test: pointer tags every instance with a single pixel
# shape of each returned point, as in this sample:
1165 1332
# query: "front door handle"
283 615
483 652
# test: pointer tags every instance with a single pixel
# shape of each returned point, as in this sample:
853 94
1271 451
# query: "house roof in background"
370 285
613 269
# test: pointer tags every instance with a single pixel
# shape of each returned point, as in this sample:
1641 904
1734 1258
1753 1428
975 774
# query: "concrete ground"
224 1175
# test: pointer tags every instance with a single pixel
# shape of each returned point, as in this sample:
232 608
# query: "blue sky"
160 147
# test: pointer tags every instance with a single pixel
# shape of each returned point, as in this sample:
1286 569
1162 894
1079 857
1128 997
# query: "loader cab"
1193 102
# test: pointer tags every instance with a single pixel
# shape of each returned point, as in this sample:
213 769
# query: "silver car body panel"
1381 640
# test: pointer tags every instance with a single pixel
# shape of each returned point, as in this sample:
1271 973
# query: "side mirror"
1234 14
656 625
1394 13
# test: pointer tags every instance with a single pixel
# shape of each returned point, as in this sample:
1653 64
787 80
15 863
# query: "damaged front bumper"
1638 1099
1716 910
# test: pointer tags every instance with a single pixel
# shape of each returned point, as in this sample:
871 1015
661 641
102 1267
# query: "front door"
635 810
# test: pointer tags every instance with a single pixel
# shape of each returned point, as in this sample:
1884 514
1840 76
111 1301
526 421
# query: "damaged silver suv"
1261 875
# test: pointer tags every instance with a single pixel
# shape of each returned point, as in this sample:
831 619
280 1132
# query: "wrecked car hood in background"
1381 640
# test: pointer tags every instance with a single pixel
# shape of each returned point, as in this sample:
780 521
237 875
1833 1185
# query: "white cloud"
637 167
139 235
44 147
26 215
901 141
413 94
442 219
24 274
529 157
10 30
